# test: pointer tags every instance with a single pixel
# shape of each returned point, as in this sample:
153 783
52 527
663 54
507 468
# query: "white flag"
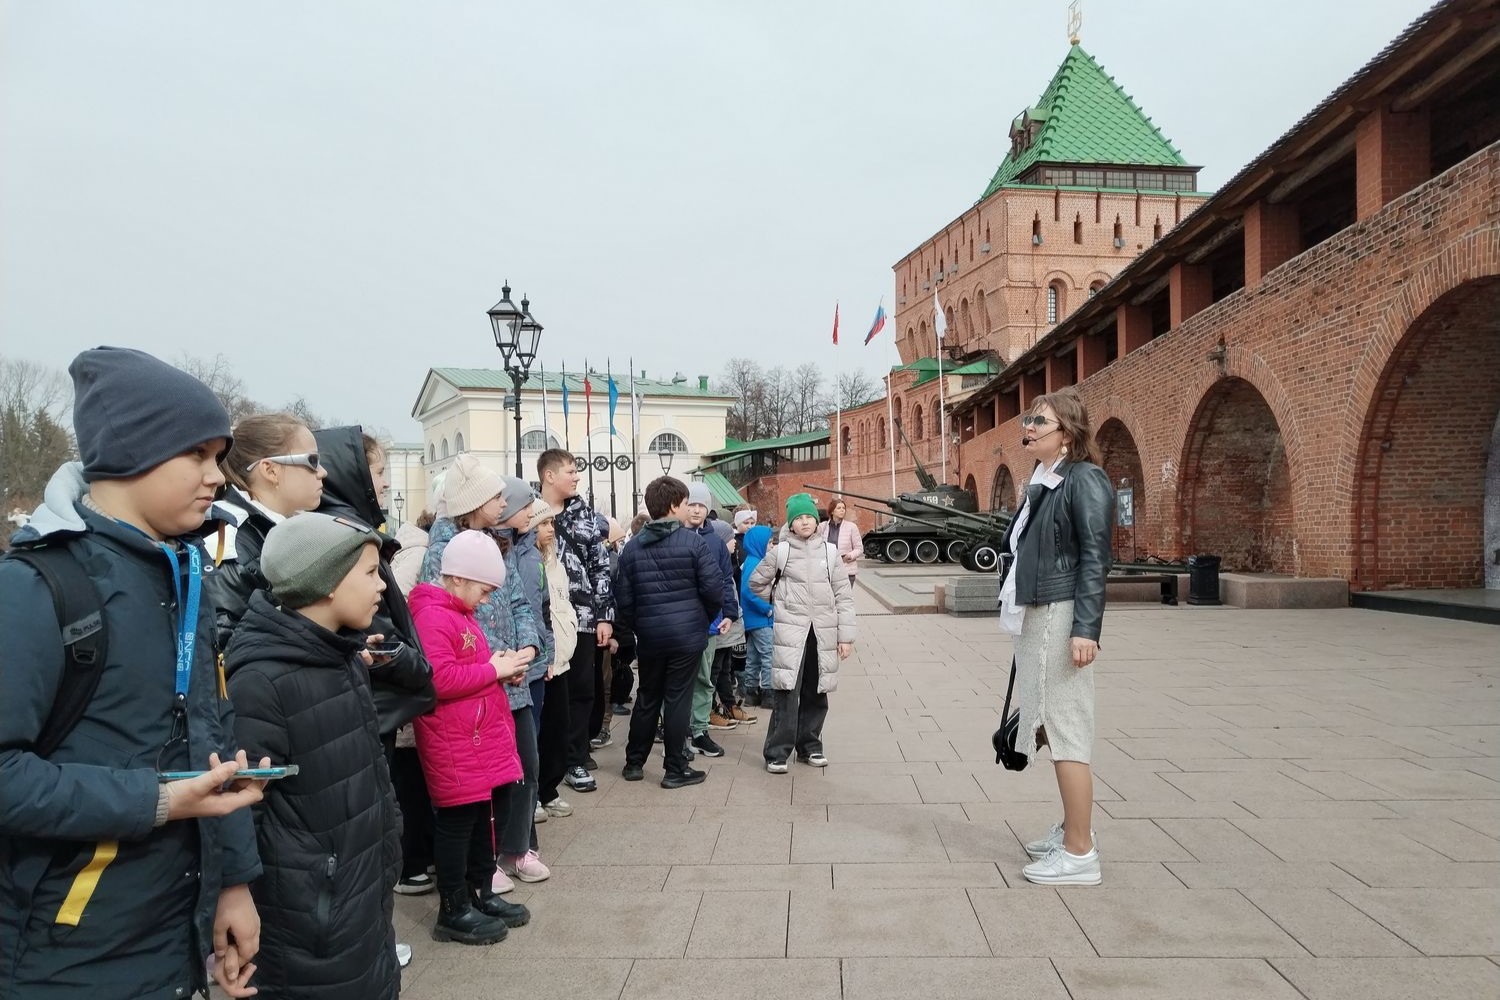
938 322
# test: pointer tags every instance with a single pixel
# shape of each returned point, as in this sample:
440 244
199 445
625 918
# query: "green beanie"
798 504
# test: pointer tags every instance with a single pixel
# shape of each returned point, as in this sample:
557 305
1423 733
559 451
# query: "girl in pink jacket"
467 745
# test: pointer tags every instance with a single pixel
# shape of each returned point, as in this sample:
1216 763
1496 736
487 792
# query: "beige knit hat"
540 511
469 485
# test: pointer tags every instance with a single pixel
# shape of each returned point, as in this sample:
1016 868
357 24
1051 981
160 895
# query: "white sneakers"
1053 865
1061 868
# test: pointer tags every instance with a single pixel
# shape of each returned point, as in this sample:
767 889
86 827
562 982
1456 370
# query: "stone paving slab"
1289 805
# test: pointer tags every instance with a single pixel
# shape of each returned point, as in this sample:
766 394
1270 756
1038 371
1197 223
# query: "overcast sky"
331 193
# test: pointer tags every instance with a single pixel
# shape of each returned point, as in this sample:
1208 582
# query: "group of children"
252 558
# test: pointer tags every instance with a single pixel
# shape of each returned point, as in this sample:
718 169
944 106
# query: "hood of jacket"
57 515
409 536
266 632
348 488
658 531
757 542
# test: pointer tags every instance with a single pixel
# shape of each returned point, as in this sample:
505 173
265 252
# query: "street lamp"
517 334
400 506
665 456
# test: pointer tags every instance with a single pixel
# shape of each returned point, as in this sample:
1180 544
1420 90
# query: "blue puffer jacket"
757 612
669 588
144 921
528 563
505 616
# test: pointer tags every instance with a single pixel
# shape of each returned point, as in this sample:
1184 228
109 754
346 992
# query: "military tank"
939 523
933 526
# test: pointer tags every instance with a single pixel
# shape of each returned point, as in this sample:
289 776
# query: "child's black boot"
458 921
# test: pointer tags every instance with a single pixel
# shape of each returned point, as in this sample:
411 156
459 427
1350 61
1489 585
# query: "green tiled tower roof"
1084 116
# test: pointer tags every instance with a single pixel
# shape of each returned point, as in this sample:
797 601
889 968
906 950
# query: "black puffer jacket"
227 587
403 687
670 588
329 837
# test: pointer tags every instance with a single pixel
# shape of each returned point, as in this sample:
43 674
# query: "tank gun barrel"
986 519
846 493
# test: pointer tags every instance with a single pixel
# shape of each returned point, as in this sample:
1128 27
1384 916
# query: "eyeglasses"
1035 420
308 461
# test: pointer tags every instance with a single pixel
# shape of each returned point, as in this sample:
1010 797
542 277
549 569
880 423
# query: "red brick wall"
1315 340
999 298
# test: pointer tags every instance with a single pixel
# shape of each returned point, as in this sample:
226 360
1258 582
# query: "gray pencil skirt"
1052 692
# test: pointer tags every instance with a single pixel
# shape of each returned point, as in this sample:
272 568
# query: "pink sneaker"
501 882
526 867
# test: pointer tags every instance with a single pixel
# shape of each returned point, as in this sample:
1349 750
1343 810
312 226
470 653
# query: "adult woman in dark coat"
1052 600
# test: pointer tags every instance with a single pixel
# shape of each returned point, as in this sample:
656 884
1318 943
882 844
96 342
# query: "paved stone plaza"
1290 804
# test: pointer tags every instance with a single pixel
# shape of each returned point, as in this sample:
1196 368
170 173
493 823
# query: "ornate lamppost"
517 335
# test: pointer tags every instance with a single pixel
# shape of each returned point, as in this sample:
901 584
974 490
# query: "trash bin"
1203 579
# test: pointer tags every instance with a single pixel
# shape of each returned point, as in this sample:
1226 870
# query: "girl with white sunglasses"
273 472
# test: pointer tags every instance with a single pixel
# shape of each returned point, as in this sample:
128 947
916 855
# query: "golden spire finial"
1075 20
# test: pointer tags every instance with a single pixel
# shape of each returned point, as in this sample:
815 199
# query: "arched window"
937 421
897 416
458 443
917 428
432 453
846 439
538 441
1094 288
667 441
1054 302
445 447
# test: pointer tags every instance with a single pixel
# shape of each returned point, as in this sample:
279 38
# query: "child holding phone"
467 745
298 673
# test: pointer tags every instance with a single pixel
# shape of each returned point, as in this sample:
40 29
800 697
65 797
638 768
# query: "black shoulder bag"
1010 725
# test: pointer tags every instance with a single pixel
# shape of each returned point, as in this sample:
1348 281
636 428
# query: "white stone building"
468 409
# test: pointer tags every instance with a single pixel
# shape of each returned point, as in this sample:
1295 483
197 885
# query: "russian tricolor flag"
878 325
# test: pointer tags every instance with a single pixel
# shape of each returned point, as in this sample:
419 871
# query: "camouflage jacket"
581 534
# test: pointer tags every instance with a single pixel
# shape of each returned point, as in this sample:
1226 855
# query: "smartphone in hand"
247 774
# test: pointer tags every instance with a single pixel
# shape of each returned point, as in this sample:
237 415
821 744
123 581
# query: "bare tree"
857 388
34 435
744 380
218 374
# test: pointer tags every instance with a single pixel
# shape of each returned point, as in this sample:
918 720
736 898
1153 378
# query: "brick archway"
1122 463
1236 482
1003 490
1420 477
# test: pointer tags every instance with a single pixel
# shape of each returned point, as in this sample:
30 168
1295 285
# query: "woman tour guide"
1052 601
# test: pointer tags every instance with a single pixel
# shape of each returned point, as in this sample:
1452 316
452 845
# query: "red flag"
588 409
835 323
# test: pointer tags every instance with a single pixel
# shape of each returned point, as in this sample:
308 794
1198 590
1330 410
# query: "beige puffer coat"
564 618
813 592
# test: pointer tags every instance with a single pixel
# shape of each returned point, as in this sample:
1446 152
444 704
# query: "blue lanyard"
187 615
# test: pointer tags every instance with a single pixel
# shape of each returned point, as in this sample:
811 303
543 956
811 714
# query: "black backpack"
80 616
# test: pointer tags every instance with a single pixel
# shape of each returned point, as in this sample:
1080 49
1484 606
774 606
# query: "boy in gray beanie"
298 674
85 794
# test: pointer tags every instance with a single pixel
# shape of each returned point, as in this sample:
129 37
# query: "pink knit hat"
473 555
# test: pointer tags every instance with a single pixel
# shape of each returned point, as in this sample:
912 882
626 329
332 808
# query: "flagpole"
567 433
838 407
939 327
614 395
890 419
588 427
546 419
635 446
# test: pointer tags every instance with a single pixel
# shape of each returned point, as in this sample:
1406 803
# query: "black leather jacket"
1064 553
